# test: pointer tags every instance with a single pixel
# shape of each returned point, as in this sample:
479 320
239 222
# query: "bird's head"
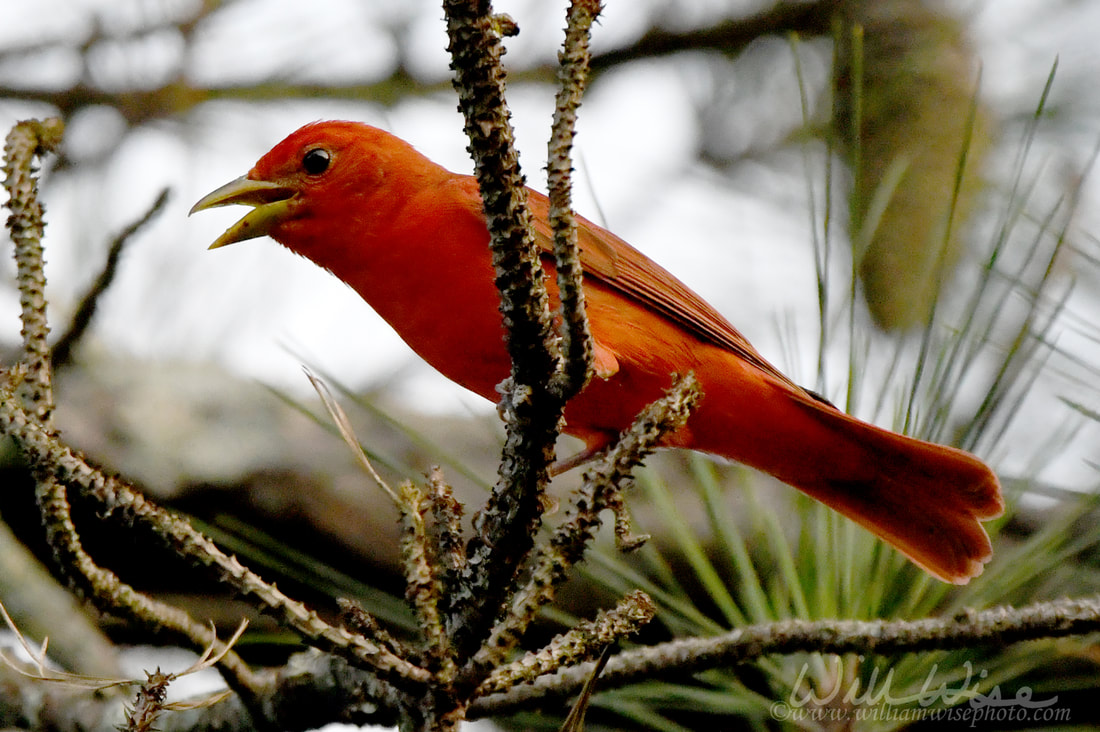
325 176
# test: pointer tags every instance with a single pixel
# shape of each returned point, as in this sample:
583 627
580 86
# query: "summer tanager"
410 237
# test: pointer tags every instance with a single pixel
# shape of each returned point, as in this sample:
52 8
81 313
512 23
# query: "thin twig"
424 573
355 618
447 522
343 426
212 655
576 340
61 353
575 645
996 626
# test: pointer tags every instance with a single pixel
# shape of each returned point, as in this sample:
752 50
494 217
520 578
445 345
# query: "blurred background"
752 148
692 145
703 141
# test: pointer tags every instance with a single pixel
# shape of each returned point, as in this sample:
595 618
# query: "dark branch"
61 354
996 626
576 340
505 529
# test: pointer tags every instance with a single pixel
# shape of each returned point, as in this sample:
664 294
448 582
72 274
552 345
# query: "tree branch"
61 353
576 340
997 626
603 486
506 527
26 141
26 402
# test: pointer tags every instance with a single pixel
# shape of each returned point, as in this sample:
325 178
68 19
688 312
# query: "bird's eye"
316 161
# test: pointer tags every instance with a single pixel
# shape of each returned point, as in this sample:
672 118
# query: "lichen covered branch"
574 58
504 530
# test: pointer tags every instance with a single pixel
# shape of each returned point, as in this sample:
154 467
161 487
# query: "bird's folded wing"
620 266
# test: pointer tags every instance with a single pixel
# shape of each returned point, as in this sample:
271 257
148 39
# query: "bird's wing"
623 268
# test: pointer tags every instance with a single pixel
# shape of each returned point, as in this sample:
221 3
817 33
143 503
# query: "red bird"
410 237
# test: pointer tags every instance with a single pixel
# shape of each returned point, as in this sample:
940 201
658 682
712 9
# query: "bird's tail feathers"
927 500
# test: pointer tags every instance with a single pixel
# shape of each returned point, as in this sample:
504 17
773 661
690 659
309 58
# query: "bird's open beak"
271 203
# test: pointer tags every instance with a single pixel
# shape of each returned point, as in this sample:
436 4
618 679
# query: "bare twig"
61 353
447 523
31 379
574 721
997 626
313 680
424 573
43 672
343 426
355 618
45 607
573 646
102 586
576 341
26 141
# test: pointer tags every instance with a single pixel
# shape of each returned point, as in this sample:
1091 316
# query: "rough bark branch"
996 626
